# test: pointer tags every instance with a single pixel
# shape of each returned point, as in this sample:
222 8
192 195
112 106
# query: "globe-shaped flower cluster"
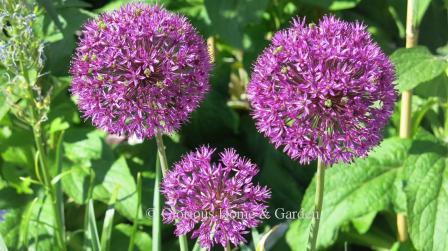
220 198
323 91
140 70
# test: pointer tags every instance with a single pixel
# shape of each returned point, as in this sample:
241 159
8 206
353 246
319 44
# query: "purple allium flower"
219 197
140 70
323 91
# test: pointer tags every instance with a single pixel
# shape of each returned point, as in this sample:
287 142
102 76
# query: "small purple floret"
140 70
220 198
323 91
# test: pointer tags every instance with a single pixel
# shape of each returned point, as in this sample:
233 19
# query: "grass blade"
197 247
260 246
109 221
137 213
25 223
2 244
91 239
156 217
58 185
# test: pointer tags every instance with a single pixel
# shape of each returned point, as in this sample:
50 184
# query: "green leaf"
51 10
437 87
91 241
121 234
415 66
32 228
92 154
419 114
58 124
9 228
118 174
362 224
106 178
427 200
352 191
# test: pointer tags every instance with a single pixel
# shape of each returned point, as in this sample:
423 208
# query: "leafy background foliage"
361 199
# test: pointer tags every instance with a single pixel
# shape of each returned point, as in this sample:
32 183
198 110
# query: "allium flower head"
323 91
139 70
219 198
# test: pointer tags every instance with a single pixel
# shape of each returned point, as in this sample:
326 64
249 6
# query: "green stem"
39 142
161 153
318 200
406 106
137 213
156 216
228 247
445 106
59 228
183 243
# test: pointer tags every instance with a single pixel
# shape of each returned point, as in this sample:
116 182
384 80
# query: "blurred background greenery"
237 32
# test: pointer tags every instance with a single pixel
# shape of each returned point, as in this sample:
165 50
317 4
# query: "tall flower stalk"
21 56
163 162
323 92
406 105
140 71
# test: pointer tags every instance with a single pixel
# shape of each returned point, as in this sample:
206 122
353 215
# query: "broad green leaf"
41 226
437 87
91 239
92 154
427 200
120 239
419 114
352 191
9 228
363 223
35 223
58 124
107 178
415 66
